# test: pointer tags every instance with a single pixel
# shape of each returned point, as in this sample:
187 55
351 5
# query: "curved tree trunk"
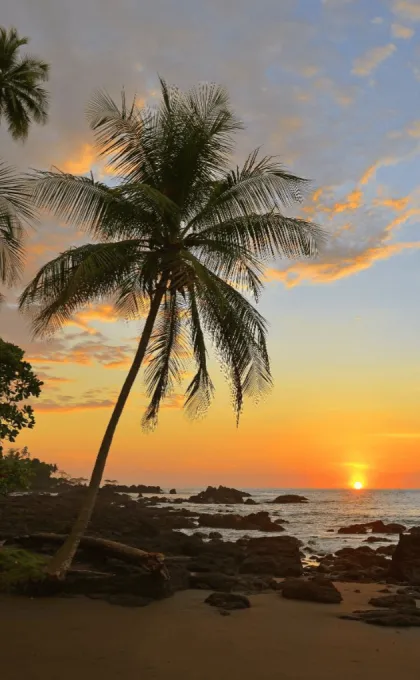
62 560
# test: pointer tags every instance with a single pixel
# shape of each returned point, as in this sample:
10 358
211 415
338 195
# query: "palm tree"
180 240
15 209
22 98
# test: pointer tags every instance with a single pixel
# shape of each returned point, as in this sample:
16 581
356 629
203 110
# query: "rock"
228 601
172 491
375 539
250 501
411 592
330 531
290 498
376 527
360 564
215 535
134 488
318 590
393 601
259 521
200 534
396 618
222 494
386 550
405 564
213 581
278 556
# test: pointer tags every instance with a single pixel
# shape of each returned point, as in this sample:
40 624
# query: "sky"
333 88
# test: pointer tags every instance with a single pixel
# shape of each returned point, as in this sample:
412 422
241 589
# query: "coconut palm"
22 98
15 210
181 241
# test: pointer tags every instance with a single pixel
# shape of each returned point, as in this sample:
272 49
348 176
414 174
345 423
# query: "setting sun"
358 486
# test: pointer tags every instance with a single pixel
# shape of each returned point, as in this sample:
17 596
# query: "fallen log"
126 553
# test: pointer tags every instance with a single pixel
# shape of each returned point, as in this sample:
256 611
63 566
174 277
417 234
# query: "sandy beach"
184 639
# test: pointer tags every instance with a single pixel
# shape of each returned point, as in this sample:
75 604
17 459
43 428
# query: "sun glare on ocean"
358 486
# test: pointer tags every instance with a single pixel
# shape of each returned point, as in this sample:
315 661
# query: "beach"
184 639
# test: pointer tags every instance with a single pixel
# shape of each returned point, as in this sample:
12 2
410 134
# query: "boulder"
250 501
228 601
393 601
362 564
405 564
278 557
215 535
172 491
213 581
376 527
395 618
386 550
290 498
222 494
317 590
259 521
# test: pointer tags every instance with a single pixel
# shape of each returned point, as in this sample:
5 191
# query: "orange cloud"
82 162
325 272
408 9
353 201
57 407
403 32
394 203
368 62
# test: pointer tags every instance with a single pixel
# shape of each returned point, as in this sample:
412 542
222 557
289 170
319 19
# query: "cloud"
352 202
52 378
403 32
414 128
104 313
377 20
86 354
407 9
342 267
51 406
368 62
393 203
81 162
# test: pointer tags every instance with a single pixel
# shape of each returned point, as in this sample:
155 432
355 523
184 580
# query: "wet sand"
183 639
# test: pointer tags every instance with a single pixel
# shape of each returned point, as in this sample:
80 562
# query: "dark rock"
278 556
386 550
228 601
200 534
250 501
405 564
290 498
330 531
215 535
411 592
393 601
360 564
375 539
172 491
376 527
259 521
134 488
213 581
222 494
318 590
395 618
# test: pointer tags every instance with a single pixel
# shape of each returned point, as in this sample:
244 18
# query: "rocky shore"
104 569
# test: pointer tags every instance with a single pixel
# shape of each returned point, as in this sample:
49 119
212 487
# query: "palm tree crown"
180 231
15 210
22 98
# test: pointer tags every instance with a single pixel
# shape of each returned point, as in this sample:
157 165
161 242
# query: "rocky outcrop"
290 498
259 521
405 565
250 501
221 494
361 564
228 601
376 527
393 601
316 590
172 491
395 618
133 488
279 557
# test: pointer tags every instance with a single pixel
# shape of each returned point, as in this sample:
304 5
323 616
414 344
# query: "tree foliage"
180 221
18 383
23 99
16 471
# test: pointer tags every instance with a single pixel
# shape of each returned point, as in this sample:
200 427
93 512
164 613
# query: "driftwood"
126 553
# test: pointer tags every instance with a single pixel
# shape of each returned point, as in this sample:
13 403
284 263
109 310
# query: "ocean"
327 509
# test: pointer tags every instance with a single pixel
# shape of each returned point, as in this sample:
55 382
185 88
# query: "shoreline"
185 639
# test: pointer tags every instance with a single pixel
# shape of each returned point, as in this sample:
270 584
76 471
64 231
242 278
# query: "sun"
358 486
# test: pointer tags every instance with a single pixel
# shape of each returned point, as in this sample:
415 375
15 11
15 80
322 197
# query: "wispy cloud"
402 32
367 63
51 406
407 9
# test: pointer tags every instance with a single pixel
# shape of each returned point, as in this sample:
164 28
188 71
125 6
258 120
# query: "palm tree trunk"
62 560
